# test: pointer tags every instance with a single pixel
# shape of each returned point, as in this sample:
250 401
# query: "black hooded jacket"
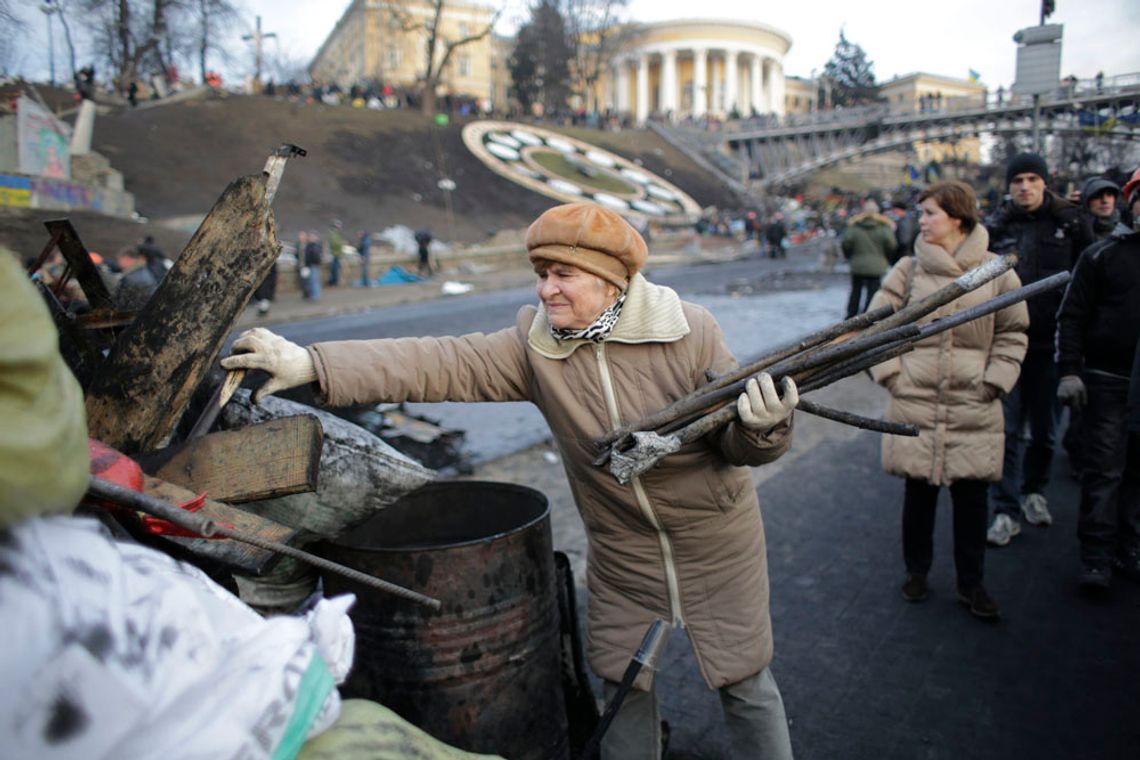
1099 322
1046 241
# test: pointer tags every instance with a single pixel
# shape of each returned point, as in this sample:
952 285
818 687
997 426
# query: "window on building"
464 31
395 58
464 62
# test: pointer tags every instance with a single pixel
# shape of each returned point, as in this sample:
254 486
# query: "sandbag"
360 473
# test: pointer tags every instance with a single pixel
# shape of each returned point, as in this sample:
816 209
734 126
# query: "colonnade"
716 80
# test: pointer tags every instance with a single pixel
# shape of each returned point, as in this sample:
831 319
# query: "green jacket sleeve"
43 438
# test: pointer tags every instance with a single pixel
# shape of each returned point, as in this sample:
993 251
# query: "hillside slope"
371 169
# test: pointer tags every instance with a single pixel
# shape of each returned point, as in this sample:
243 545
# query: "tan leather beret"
590 237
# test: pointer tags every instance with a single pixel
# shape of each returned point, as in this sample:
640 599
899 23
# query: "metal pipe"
207 528
645 657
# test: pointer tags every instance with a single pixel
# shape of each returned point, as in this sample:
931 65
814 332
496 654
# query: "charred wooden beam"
156 363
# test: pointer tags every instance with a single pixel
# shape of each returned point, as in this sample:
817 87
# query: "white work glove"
1071 391
760 408
288 364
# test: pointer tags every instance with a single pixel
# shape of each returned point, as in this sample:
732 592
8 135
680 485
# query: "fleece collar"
936 260
651 314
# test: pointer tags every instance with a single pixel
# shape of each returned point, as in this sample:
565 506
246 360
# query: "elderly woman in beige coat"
683 542
950 387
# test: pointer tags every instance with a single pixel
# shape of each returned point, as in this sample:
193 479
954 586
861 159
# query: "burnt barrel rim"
530 506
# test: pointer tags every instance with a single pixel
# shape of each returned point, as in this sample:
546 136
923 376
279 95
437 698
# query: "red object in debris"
112 465
118 468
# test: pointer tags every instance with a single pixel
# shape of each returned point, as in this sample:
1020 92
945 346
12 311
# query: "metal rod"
205 527
644 658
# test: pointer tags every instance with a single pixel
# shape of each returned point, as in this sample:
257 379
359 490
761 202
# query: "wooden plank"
262 461
241 557
156 364
77 257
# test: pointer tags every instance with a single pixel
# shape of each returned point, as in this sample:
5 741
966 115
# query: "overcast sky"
899 36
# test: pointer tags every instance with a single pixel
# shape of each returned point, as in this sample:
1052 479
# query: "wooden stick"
855 420
897 342
790 366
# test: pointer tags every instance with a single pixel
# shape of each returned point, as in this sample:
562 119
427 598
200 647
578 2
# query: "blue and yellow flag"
974 76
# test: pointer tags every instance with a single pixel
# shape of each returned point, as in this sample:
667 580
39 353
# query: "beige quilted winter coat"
684 542
940 386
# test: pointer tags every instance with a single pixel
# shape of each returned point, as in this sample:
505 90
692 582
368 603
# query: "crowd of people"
1076 347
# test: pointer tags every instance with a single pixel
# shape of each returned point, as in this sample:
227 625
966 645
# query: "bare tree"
424 18
129 33
214 18
595 28
10 28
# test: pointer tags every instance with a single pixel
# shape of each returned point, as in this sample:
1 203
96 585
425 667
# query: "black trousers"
919 506
1109 521
862 288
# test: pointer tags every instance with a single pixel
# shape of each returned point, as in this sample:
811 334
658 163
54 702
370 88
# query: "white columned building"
756 85
731 82
642 87
668 97
700 82
695 68
622 85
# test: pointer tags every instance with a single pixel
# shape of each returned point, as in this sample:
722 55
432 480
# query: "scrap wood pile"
813 362
207 496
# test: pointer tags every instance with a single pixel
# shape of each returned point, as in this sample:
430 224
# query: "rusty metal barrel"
483 673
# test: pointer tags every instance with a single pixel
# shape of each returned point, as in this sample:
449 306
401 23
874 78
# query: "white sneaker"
1036 509
1003 529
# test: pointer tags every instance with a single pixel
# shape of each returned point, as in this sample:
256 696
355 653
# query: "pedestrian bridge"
759 154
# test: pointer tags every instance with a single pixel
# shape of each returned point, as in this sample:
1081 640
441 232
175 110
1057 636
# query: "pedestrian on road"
311 267
950 386
364 247
1045 232
777 236
683 542
423 252
1098 328
868 245
336 252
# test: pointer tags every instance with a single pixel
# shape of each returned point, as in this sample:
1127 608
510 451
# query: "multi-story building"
374 41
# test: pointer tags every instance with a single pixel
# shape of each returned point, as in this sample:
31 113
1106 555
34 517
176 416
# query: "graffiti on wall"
47 193
43 141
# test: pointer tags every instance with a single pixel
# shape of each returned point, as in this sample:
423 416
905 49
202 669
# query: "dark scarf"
596 332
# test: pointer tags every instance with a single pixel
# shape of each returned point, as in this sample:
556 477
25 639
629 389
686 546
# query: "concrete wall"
23 191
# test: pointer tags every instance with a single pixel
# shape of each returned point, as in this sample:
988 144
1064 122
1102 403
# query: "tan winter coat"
684 542
940 386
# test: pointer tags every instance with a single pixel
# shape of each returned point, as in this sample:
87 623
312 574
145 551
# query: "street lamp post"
48 10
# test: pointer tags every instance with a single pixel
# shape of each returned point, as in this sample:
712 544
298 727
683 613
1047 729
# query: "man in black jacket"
1098 329
1046 234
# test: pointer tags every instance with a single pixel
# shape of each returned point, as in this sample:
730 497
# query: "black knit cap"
1026 163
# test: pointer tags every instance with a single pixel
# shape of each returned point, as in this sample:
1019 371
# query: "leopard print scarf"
596 332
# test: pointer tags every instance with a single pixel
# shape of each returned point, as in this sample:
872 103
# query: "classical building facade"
371 42
697 67
912 93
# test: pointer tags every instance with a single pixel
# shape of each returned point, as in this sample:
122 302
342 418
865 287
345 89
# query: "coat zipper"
673 588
